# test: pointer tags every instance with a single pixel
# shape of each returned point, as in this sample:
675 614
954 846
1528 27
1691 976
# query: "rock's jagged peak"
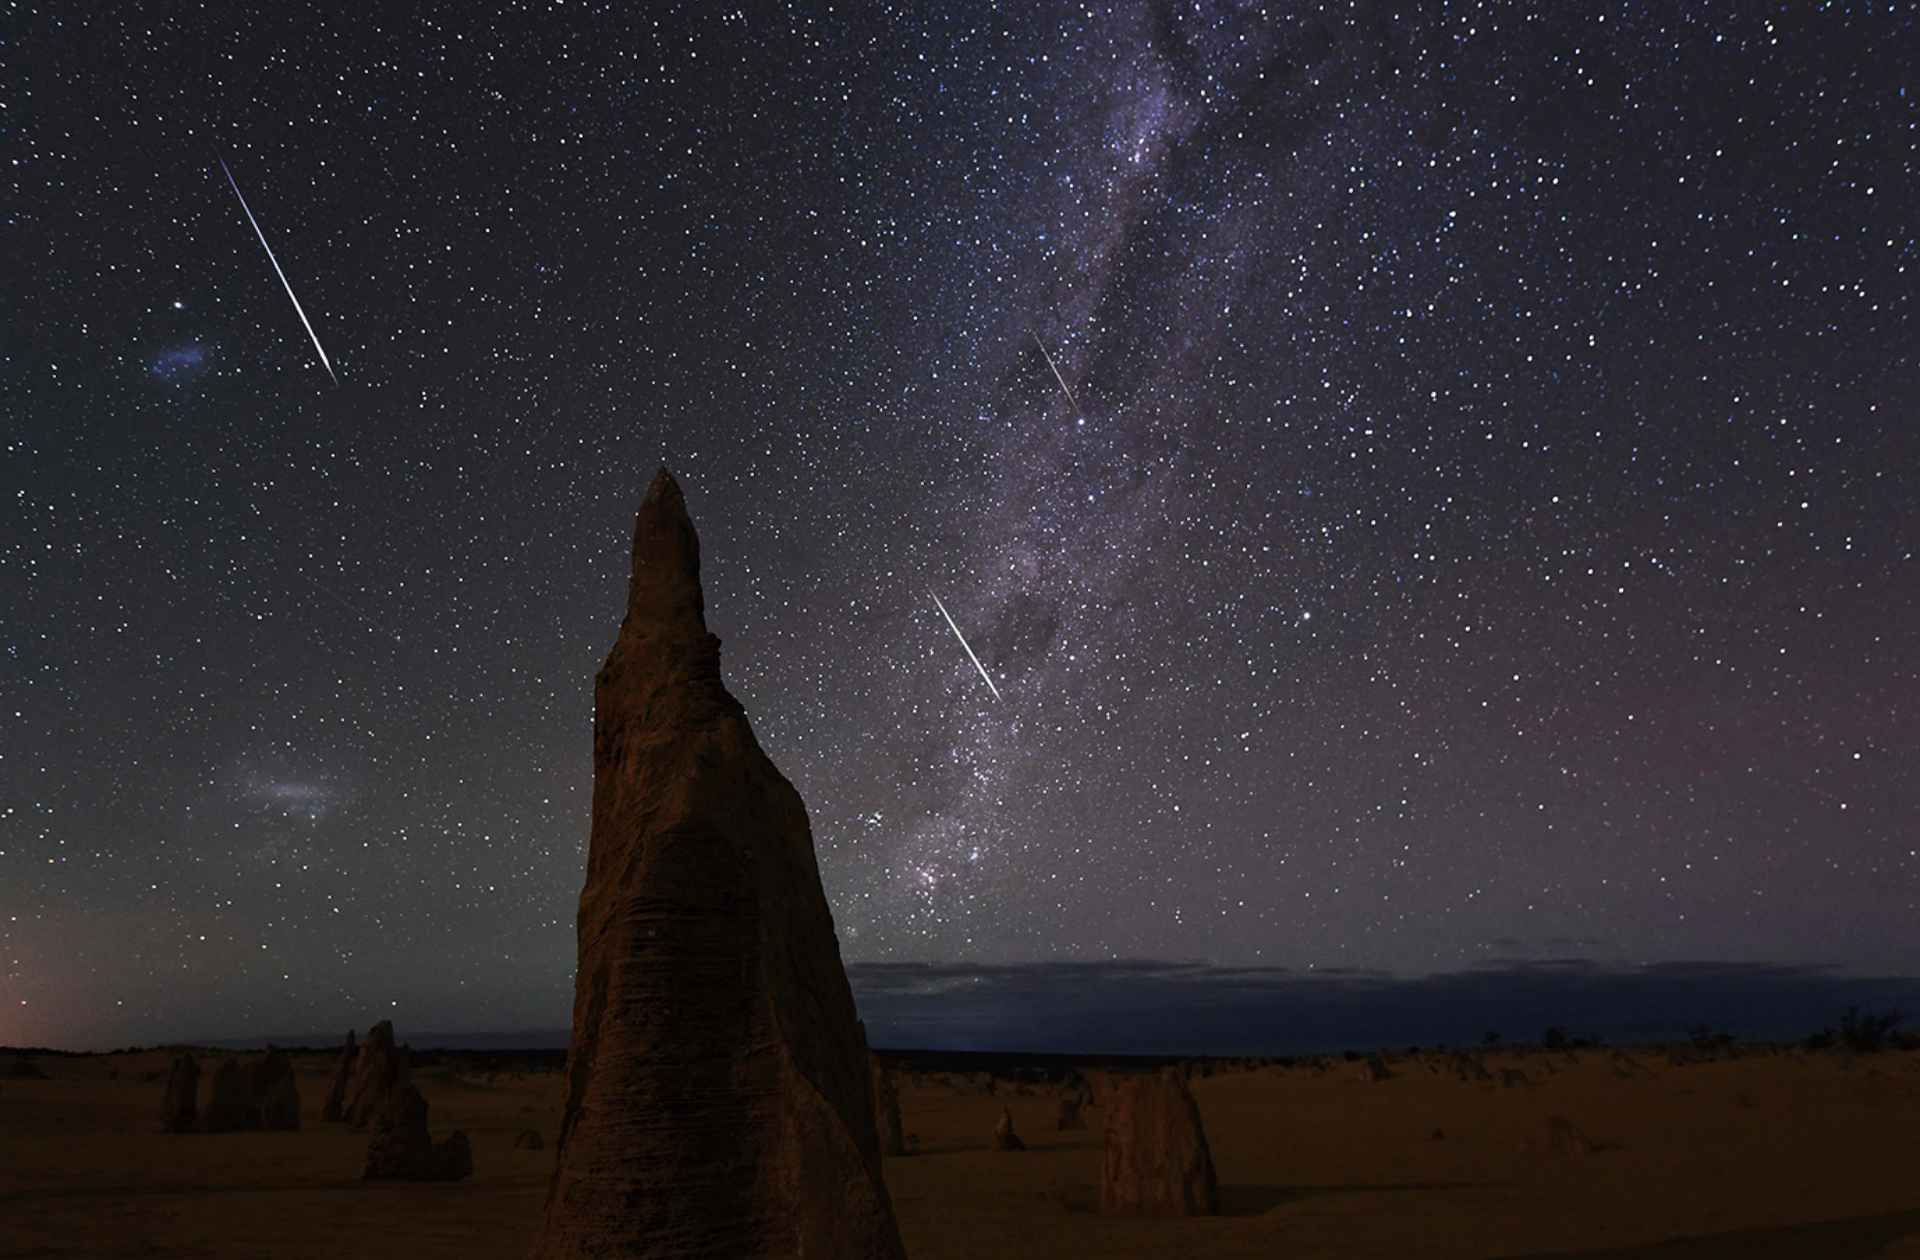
663 593
663 674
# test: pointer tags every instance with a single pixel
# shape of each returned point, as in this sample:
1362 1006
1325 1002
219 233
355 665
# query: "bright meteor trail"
963 642
283 275
1075 402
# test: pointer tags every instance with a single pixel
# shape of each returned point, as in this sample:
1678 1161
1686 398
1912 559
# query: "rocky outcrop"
528 1140
453 1158
886 1112
1004 1138
719 1100
379 1071
1067 1114
1468 1067
335 1107
230 1107
179 1105
275 1095
1156 1161
400 1147
1563 1139
248 1096
1626 1067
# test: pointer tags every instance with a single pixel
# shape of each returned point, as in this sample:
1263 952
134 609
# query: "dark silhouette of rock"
245 1097
230 1107
276 1097
1068 1116
401 1149
1469 1068
179 1105
719 1097
453 1158
335 1107
1004 1138
1626 1067
886 1112
1375 1069
1156 1162
528 1140
1564 1139
379 1070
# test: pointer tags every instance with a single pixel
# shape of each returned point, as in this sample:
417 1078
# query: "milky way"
1429 482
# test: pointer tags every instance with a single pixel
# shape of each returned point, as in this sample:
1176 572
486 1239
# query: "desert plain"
1761 1152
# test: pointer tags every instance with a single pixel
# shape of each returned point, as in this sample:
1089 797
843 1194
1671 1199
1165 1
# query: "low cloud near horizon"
1161 1007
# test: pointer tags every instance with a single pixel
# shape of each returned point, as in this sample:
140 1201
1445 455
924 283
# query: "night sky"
1474 517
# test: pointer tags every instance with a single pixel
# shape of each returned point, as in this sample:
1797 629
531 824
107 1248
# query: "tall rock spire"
718 1098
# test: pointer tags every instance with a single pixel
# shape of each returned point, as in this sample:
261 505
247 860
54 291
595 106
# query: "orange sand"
1786 1155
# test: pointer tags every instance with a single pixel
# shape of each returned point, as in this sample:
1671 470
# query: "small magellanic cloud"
176 364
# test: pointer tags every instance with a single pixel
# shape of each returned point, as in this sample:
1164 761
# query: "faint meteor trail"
1820 791
963 638
324 362
1075 402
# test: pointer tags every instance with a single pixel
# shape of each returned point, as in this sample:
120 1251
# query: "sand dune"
1784 1154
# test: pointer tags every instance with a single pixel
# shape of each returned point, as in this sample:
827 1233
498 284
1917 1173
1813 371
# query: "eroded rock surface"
401 1148
1156 1161
886 1112
335 1106
1004 1138
719 1097
1566 1140
230 1107
275 1094
379 1071
180 1104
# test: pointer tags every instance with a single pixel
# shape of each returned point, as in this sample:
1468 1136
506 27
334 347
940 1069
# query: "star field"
1473 516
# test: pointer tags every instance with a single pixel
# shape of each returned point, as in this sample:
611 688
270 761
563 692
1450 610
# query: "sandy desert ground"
1770 1154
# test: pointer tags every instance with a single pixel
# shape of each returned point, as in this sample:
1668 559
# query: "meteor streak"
963 638
1056 374
276 271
